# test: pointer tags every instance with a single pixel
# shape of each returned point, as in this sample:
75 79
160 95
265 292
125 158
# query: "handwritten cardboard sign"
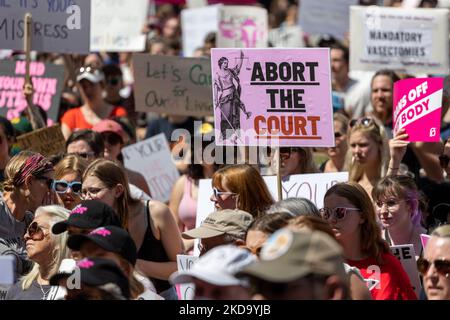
152 157
117 26
58 25
173 85
185 262
407 256
407 40
47 141
417 108
47 82
273 94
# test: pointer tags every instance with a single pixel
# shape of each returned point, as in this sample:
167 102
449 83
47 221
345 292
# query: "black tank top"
152 249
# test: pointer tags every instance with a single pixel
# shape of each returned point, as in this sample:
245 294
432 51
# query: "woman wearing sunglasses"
28 181
399 206
150 223
349 210
435 265
67 184
336 154
240 187
297 161
368 156
47 251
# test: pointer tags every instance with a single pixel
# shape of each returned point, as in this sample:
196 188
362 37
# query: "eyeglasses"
48 181
442 266
111 138
61 186
218 193
444 160
84 155
35 231
365 122
91 192
339 213
390 204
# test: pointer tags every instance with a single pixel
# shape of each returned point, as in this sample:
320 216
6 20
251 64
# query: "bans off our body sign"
272 96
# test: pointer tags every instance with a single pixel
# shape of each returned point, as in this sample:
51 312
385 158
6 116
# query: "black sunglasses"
442 266
444 160
111 138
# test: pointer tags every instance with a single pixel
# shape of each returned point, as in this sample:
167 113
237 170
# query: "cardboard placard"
47 141
58 25
407 256
267 95
173 85
185 262
152 157
407 40
47 83
325 17
117 26
417 108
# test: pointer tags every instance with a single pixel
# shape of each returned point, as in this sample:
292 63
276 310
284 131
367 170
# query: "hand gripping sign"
417 108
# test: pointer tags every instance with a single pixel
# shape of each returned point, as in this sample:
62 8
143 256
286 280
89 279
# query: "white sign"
242 27
185 262
153 159
196 23
407 40
286 37
407 256
117 25
325 17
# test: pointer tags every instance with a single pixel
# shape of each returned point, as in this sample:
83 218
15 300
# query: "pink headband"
36 165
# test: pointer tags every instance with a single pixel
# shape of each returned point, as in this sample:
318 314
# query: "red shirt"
394 282
75 120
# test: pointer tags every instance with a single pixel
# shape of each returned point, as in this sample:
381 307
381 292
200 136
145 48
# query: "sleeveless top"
153 250
187 210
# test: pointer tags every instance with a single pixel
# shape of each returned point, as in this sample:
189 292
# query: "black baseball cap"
97 272
89 214
110 238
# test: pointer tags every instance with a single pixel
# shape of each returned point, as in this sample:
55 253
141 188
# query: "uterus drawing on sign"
243 31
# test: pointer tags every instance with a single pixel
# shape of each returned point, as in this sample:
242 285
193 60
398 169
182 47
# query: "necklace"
44 294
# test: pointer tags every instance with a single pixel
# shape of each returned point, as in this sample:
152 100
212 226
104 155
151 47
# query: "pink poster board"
272 97
417 108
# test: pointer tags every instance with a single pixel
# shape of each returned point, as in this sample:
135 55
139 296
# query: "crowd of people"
80 225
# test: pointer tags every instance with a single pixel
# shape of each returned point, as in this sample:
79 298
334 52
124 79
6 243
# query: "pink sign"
417 108
272 97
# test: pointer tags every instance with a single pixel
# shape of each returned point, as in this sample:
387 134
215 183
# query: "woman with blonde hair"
28 180
67 184
240 187
368 156
350 212
46 250
150 223
336 154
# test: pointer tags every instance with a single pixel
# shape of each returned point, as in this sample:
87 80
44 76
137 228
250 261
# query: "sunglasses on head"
444 160
365 122
442 266
35 231
61 186
339 213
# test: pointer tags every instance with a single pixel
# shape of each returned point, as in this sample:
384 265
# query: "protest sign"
242 27
47 82
117 26
47 141
58 25
173 85
267 95
424 240
196 24
407 256
185 262
286 37
326 17
153 158
417 108
407 40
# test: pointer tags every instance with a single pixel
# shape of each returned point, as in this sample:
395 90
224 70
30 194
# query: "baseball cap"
232 222
98 272
108 125
110 238
217 267
91 74
89 214
288 256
